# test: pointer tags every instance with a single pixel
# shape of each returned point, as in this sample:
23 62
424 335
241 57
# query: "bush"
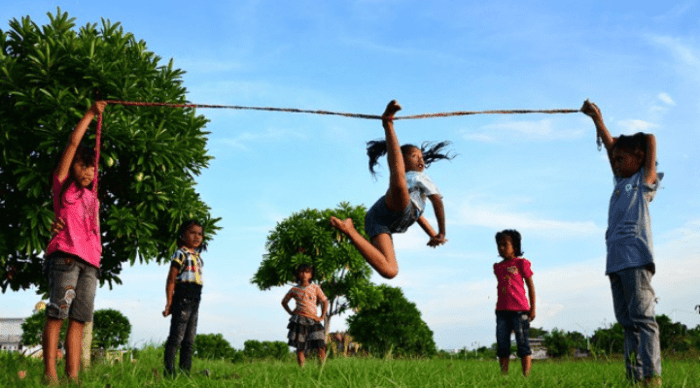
110 329
610 340
212 347
558 343
393 327
257 350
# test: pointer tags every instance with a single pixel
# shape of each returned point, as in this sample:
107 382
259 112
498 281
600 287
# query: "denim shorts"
72 285
380 219
508 322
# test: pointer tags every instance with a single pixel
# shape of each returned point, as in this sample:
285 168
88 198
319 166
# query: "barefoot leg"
397 197
50 344
527 363
379 253
300 357
74 341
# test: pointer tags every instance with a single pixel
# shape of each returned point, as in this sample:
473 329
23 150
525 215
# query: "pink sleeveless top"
79 210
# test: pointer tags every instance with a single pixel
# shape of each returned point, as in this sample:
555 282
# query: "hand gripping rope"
317 112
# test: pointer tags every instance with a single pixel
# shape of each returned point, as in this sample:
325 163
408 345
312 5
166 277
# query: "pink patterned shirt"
511 284
78 207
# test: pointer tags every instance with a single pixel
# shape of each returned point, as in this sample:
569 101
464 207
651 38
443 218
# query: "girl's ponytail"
375 150
434 151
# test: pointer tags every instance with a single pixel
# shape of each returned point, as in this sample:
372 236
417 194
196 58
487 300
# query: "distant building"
11 334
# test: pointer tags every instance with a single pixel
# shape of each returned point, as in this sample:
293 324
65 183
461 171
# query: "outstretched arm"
435 238
592 110
75 137
650 161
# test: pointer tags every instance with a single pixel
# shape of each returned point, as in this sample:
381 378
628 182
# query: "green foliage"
536 332
33 328
257 350
49 77
672 335
212 346
610 340
307 238
558 343
110 329
394 326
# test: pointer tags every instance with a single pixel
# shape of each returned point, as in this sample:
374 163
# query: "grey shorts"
72 285
380 219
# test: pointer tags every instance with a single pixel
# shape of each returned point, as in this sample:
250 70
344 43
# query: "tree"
307 238
110 329
558 343
49 76
212 346
33 328
672 335
256 350
610 340
394 325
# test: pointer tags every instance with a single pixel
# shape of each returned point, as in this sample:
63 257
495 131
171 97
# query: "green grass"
352 372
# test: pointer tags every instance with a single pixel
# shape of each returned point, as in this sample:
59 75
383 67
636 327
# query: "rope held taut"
344 114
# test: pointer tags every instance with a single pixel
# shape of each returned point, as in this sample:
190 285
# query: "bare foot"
346 226
391 109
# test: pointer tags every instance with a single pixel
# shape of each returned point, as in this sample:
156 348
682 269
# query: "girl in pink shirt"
305 329
513 313
73 254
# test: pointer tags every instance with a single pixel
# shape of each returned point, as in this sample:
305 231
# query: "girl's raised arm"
592 110
650 161
75 137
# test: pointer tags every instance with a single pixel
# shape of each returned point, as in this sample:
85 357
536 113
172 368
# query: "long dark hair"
431 152
181 233
514 238
631 143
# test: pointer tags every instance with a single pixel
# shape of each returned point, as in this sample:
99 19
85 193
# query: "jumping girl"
305 329
73 254
183 291
513 314
403 203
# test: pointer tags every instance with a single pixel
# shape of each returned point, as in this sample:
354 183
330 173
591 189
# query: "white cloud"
635 125
276 135
545 129
666 99
496 216
687 57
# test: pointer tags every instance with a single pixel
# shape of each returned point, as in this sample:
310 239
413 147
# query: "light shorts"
72 285
380 219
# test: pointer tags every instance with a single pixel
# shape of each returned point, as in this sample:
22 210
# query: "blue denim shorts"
508 322
380 219
72 286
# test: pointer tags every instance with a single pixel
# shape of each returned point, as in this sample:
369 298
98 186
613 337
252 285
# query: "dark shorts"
72 285
508 322
380 219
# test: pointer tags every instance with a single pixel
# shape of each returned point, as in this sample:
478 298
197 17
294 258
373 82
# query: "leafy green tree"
257 350
394 325
212 346
610 340
33 328
537 332
110 329
672 335
558 343
49 77
307 238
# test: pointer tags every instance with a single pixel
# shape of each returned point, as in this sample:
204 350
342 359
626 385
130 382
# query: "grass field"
352 372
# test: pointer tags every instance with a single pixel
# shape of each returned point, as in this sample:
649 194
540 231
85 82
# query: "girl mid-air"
305 329
403 203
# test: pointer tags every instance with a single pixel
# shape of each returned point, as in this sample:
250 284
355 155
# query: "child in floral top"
305 329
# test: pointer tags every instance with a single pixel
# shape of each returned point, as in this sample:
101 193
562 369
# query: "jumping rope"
319 112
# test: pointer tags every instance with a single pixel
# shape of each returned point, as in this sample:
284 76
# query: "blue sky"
540 174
